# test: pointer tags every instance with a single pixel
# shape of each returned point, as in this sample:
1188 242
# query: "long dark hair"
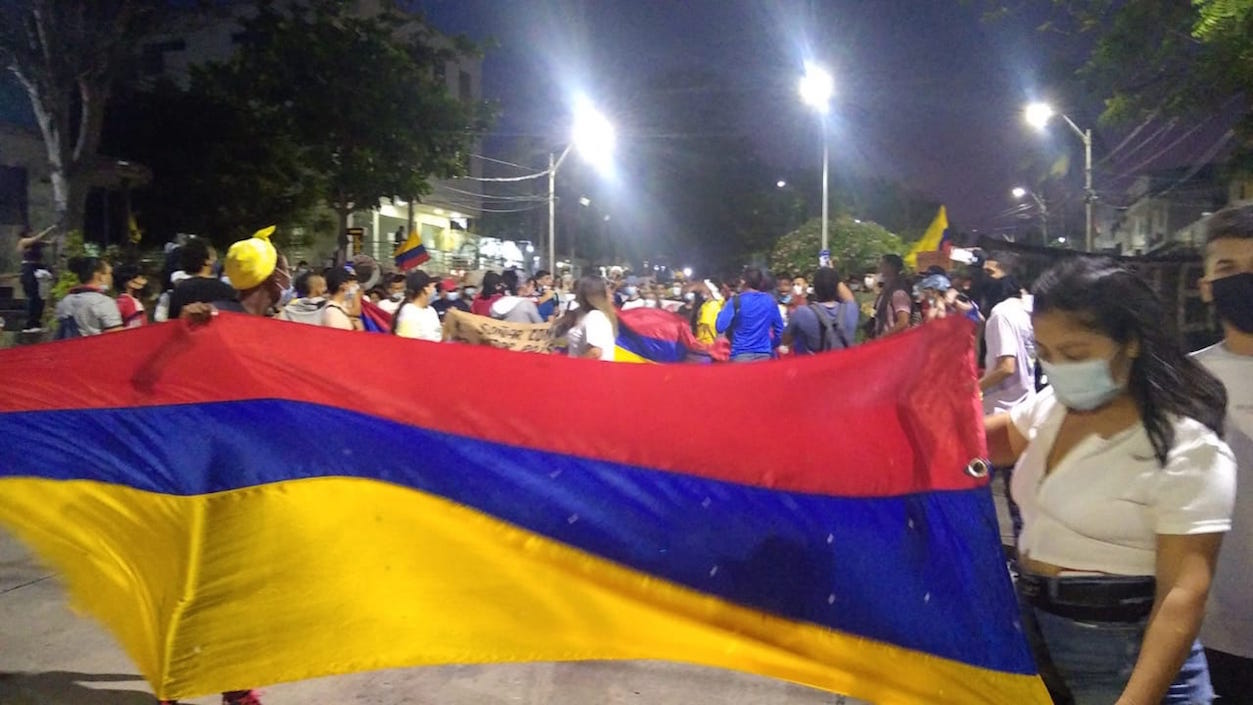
693 319
1165 381
589 294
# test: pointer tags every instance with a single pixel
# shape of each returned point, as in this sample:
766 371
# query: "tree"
216 172
66 55
362 96
1161 57
855 247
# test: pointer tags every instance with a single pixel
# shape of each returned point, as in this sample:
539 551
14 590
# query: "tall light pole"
1018 192
816 89
593 135
1038 116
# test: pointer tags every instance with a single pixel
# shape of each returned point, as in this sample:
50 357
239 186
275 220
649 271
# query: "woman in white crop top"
1125 489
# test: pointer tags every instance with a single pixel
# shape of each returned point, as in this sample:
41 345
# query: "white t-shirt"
632 303
1008 333
1103 506
390 305
1228 623
420 323
593 331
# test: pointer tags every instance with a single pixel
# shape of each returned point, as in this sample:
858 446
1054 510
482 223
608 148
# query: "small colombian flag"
412 253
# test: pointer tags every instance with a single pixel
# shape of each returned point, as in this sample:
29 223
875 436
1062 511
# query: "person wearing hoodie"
310 303
517 306
492 291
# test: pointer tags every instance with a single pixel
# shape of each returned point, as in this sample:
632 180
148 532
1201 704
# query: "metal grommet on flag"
977 468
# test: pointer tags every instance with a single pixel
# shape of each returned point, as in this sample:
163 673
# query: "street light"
1018 192
594 136
781 183
1038 116
816 88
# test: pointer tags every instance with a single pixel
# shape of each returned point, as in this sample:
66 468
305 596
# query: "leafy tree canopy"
855 247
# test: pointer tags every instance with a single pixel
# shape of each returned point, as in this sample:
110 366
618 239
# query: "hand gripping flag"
412 253
238 512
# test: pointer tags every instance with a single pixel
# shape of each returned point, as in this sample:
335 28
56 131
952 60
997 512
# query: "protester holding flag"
1125 489
260 276
199 260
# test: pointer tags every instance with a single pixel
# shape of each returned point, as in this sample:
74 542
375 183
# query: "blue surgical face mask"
1083 385
453 295
631 291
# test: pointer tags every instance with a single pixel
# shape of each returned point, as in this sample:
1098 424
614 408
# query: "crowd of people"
1119 450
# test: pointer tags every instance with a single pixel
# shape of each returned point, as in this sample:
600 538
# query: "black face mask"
1233 300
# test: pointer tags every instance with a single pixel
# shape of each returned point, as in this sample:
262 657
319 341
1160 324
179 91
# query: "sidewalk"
50 656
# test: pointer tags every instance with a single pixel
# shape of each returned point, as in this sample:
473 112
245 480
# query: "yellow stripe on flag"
431 582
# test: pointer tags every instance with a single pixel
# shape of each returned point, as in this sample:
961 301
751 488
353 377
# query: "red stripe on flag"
887 418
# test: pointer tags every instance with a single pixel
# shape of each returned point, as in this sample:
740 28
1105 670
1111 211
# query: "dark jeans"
30 288
751 357
1232 677
1089 663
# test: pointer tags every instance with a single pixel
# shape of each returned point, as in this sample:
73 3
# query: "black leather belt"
1113 598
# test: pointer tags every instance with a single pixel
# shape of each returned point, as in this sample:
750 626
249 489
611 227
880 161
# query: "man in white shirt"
1227 632
1008 379
416 318
1009 364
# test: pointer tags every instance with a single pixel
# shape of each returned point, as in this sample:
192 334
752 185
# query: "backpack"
67 328
830 329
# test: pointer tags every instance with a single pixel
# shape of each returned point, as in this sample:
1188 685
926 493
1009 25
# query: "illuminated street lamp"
816 88
1018 192
1038 116
594 137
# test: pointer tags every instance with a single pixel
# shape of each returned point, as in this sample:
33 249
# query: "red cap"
449 284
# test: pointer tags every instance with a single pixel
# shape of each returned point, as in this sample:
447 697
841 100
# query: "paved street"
49 656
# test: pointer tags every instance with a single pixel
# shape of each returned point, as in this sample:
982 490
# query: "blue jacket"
758 328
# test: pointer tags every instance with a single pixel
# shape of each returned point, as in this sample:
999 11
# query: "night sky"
927 92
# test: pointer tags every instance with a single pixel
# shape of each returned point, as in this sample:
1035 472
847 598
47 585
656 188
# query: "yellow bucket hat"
250 262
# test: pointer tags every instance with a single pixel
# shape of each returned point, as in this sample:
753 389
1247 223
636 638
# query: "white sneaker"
32 330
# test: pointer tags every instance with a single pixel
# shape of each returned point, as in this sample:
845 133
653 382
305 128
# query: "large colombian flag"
239 512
